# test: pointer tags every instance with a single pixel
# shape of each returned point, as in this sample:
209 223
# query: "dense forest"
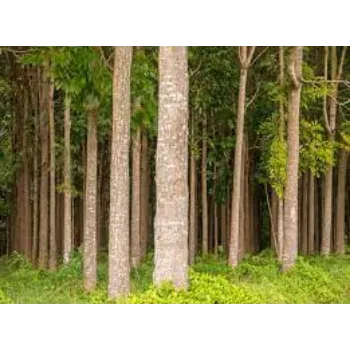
175 174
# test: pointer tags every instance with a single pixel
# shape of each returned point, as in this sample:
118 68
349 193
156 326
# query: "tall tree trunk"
53 244
205 220
193 203
245 55
274 220
241 247
119 258
44 181
311 213
223 229
171 221
67 227
34 100
290 239
340 217
305 204
25 219
145 191
318 211
136 199
90 222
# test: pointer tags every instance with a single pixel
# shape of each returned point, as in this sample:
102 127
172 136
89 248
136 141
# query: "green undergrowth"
256 280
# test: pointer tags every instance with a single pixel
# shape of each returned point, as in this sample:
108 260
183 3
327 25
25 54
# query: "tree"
245 59
290 238
119 264
171 221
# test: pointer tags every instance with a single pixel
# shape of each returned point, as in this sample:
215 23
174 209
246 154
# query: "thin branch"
106 62
195 70
250 55
253 98
341 64
259 55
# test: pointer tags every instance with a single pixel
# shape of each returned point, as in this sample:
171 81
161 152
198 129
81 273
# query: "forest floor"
256 280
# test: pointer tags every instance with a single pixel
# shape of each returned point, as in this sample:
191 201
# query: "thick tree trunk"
53 244
136 200
44 181
145 191
171 221
340 217
90 223
311 212
119 258
205 228
290 239
67 216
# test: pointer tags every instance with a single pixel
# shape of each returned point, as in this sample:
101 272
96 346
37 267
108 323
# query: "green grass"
256 280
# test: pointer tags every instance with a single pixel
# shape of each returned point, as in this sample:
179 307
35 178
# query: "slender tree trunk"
205 228
290 239
340 217
318 204
241 247
193 204
223 230
35 177
274 219
145 190
90 222
53 247
136 199
245 55
171 221
305 204
67 227
25 219
44 181
119 258
311 212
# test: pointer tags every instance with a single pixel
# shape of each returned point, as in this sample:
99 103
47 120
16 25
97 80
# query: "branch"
250 55
195 70
259 55
105 60
253 98
341 64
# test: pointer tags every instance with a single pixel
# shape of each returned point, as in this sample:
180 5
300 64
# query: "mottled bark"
171 221
290 239
205 220
136 199
311 214
67 216
119 250
90 223
340 210
44 180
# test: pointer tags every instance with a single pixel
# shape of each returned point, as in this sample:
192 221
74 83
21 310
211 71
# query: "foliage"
316 152
274 154
255 280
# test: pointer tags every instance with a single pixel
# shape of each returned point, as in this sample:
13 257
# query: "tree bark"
171 221
311 214
67 216
136 199
305 204
119 259
44 181
290 239
145 190
193 203
205 228
90 250
340 217
53 244
245 59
